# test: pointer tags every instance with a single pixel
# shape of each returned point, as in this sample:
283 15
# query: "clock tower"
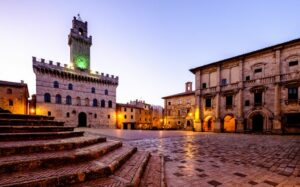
80 44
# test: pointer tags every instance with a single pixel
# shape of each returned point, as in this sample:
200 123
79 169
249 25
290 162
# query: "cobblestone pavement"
209 159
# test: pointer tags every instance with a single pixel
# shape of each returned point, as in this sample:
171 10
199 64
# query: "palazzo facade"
73 92
256 91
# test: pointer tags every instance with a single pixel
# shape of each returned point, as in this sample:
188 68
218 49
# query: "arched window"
47 98
87 102
58 99
9 91
68 100
102 103
109 104
70 86
55 84
95 102
68 114
78 101
106 92
93 90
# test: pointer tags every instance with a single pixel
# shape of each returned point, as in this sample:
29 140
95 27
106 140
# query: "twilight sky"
149 44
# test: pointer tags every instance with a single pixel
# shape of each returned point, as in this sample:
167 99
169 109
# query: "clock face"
81 62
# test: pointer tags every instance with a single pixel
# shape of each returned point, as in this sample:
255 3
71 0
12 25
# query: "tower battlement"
49 64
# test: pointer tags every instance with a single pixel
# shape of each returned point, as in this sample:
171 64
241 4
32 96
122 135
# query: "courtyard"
209 159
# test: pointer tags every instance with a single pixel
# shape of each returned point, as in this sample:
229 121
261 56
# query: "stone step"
36 146
24 116
34 161
38 136
70 174
24 129
129 174
154 173
30 122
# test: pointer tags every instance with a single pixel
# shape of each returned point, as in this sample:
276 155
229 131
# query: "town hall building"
73 92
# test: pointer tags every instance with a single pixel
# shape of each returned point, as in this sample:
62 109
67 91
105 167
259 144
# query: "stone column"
240 104
217 98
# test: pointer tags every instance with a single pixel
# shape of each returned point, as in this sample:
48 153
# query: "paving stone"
214 183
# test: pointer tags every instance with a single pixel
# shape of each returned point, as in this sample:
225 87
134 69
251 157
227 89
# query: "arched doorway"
257 123
229 123
208 124
82 121
188 123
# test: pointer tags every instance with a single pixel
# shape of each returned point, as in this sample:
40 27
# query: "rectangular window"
293 63
247 103
125 109
247 78
208 102
229 101
258 99
132 110
125 117
293 93
258 70
108 116
49 113
223 82
203 85
179 112
169 103
169 112
131 116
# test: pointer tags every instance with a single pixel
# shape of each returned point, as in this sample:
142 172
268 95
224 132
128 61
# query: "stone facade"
14 97
256 91
179 109
138 115
74 93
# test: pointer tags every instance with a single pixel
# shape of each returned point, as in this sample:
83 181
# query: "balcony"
210 90
229 87
259 81
290 76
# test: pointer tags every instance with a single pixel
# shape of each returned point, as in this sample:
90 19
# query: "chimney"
188 86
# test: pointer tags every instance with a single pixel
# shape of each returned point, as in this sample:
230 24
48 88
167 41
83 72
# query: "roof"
193 70
128 105
179 94
15 84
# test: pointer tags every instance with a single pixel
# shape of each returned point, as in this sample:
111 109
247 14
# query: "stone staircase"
39 151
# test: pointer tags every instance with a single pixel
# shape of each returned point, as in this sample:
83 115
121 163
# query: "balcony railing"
290 76
229 86
209 90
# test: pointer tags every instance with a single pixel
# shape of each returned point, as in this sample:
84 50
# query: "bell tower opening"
80 44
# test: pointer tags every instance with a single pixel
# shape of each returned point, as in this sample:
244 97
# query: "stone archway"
229 124
259 120
208 124
82 119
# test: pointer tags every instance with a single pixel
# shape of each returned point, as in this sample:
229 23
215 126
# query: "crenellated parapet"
69 72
